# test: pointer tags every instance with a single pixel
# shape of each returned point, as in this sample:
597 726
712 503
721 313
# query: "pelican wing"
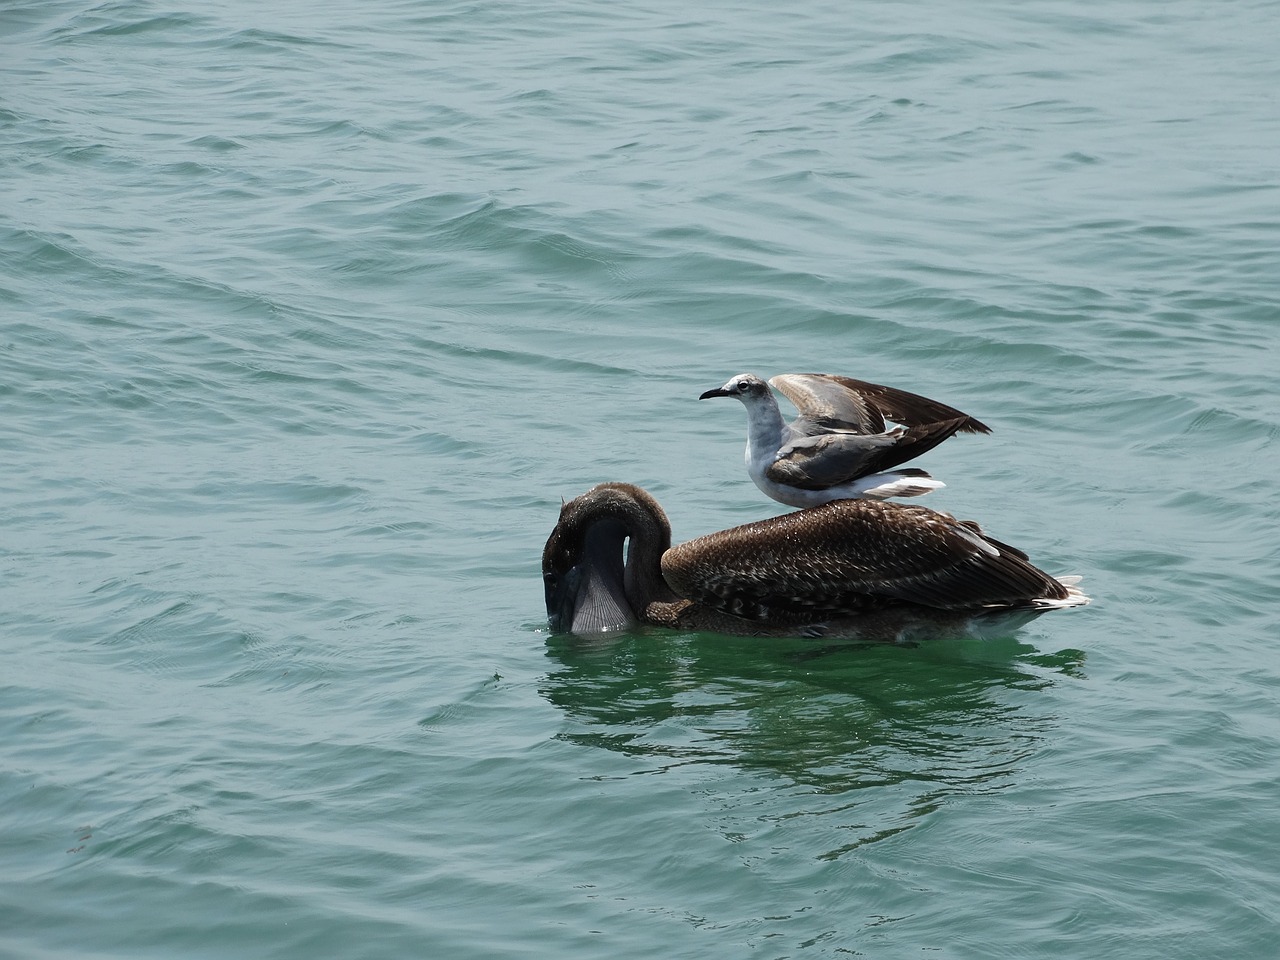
828 459
827 401
849 557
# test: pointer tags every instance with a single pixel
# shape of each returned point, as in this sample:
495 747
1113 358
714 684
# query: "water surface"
313 315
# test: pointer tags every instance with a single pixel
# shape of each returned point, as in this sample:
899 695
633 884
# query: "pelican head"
590 587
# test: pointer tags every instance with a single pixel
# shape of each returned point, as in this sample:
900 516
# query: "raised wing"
827 401
852 556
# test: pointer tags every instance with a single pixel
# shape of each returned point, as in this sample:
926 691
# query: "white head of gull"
840 447
862 569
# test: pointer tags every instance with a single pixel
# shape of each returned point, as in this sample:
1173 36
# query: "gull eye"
743 386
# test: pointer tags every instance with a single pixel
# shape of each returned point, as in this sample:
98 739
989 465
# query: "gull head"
746 387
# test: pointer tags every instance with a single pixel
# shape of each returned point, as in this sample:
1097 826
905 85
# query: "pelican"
839 446
864 569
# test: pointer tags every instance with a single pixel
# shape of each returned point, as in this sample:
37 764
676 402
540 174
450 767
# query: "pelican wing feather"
849 557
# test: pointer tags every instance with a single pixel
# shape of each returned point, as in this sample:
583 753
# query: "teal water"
313 314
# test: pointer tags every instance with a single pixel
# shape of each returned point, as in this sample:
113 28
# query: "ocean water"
312 315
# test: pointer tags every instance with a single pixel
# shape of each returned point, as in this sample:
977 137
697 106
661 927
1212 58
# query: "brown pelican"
839 445
867 569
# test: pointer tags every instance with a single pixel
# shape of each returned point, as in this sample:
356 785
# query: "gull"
840 447
861 569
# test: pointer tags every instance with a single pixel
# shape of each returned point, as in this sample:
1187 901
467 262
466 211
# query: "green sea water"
311 315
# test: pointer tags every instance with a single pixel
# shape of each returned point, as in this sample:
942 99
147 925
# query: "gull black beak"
717 392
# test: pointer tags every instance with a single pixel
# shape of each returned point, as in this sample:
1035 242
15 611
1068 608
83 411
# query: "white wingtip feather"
1075 596
885 485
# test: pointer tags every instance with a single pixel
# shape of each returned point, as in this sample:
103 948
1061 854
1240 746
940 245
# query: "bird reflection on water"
867 738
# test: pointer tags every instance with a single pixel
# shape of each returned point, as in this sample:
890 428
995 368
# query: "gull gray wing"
827 401
848 557
827 459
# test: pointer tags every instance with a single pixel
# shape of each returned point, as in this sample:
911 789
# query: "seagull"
839 446
859 569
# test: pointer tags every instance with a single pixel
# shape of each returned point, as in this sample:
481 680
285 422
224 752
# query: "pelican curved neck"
621 534
648 535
